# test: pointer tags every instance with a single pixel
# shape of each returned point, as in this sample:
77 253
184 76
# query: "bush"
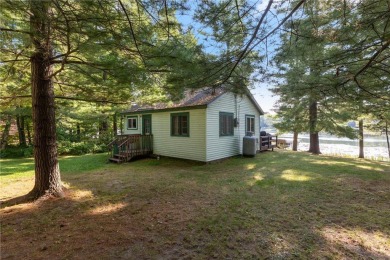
17 152
64 148
71 148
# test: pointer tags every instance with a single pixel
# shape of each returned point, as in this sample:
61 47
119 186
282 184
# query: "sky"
264 97
261 91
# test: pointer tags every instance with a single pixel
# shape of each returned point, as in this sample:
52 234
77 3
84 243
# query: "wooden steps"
127 156
126 147
115 160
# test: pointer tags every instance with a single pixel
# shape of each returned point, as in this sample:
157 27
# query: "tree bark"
103 128
121 125
47 172
78 132
28 133
21 132
115 125
4 136
295 141
314 139
387 137
361 139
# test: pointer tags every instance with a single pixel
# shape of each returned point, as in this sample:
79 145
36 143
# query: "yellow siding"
131 131
204 143
219 147
246 107
192 147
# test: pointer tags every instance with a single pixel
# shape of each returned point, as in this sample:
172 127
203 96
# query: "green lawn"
278 205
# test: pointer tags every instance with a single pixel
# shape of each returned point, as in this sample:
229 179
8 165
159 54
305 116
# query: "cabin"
207 125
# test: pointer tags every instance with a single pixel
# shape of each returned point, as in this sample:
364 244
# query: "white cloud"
262 5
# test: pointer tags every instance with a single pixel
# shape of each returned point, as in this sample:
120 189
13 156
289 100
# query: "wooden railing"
118 139
126 147
268 142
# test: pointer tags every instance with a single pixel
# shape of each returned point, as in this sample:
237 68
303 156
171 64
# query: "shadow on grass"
277 205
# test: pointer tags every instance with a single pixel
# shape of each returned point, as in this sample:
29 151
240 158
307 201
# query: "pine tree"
304 77
80 50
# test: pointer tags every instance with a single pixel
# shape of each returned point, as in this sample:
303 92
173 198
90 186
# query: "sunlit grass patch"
81 195
373 244
250 166
371 167
107 209
16 168
11 188
291 175
257 177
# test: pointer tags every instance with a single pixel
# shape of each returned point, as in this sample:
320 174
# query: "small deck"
126 147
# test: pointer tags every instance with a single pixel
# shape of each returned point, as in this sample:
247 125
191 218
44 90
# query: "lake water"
375 147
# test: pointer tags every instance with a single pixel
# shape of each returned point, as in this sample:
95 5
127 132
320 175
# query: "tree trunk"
28 133
295 141
21 133
103 128
47 171
314 140
115 125
361 141
78 132
387 137
121 125
4 136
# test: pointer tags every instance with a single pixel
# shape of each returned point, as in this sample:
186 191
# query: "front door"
147 124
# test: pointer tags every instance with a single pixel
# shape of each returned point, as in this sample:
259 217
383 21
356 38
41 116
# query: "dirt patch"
358 243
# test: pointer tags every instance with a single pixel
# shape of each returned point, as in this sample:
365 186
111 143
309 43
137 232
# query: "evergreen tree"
300 59
230 26
80 50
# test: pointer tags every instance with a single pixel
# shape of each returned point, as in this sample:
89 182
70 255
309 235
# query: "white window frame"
252 123
130 126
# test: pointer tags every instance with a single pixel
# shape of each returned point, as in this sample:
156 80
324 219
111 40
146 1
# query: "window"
132 122
250 123
226 124
180 124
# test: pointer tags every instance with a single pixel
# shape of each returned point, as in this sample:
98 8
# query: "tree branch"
132 31
72 98
13 30
372 59
251 39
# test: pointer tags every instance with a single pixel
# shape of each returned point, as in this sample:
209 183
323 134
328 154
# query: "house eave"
252 98
168 109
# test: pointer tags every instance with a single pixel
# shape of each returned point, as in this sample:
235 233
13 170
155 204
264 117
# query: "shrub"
16 152
72 148
64 148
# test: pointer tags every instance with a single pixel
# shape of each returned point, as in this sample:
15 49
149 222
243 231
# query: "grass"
278 205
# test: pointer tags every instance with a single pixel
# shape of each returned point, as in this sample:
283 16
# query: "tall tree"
47 171
80 50
230 25
300 59
5 132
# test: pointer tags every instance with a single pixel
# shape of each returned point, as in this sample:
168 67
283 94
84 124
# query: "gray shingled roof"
192 98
